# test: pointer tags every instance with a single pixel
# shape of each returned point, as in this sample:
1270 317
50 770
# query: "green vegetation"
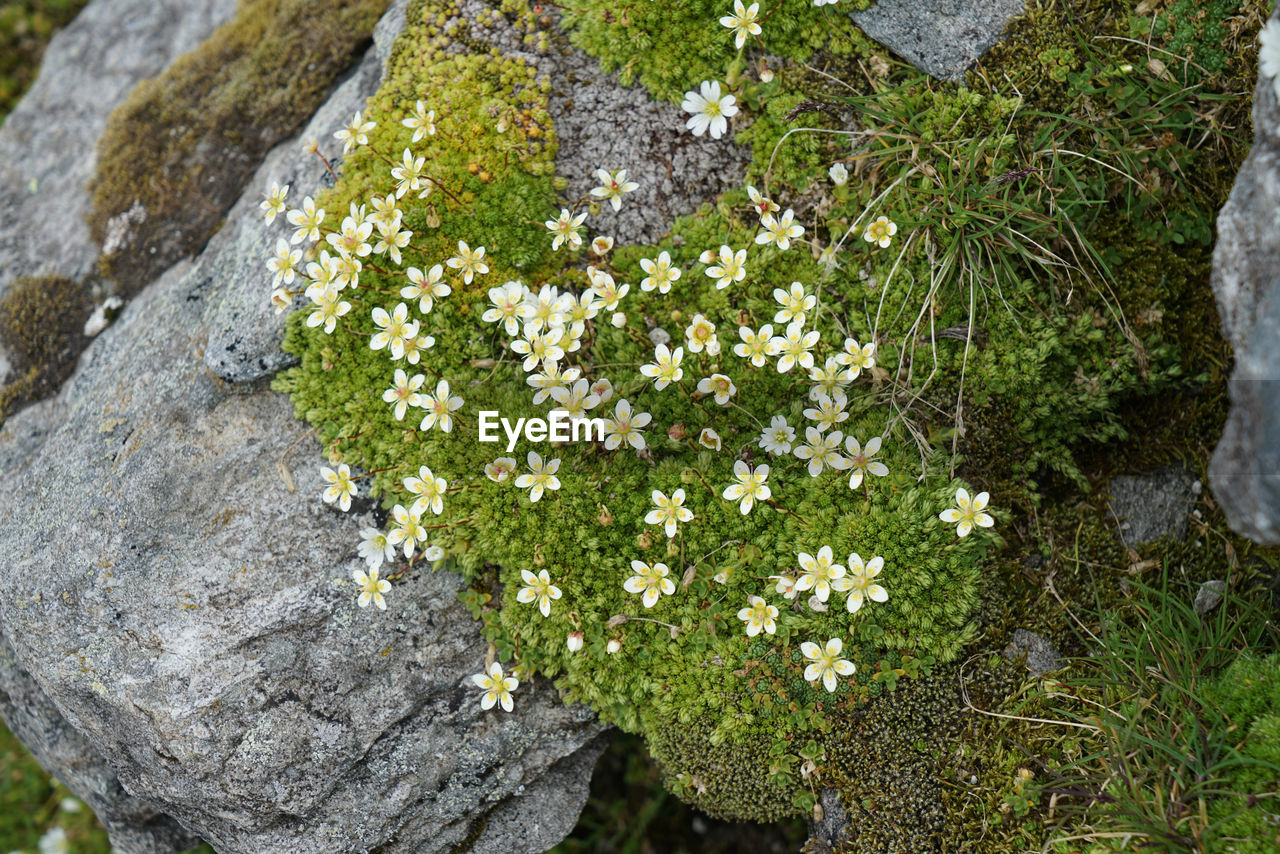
177 153
42 329
1046 283
25 28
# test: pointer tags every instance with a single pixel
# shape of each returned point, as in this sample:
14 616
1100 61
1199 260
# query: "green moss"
42 329
25 28
670 47
177 153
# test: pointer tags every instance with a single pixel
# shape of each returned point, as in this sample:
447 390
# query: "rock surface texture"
1244 473
179 640
47 142
941 37
1152 505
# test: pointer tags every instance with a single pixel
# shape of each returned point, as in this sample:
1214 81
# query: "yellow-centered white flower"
651 580
826 662
749 486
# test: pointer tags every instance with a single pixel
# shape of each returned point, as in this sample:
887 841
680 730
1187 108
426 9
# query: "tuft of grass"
1167 757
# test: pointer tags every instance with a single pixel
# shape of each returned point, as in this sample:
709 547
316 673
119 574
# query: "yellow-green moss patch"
177 153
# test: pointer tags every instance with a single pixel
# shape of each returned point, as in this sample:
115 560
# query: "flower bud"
644 540
613 646
601 245
605 517
575 641
618 319
677 432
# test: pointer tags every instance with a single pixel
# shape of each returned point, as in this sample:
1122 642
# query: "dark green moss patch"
178 152
42 329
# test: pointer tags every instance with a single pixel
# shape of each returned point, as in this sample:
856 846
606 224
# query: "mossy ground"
1043 307
42 329
182 146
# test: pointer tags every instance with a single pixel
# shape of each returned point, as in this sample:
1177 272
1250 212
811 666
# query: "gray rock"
1152 505
586 104
1244 472
943 38
1042 657
179 640
1209 595
47 142
825 833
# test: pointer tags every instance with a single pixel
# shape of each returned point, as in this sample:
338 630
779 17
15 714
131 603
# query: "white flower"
371 588
818 572
795 304
700 335
425 288
860 462
341 488
429 489
439 405
839 174
651 580
709 439
1269 54
786 586
609 292
613 646
760 615
860 583
500 469
413 347
603 389
565 229
374 548
732 267
859 358
408 175
54 841
306 221
576 400
508 307
574 641
742 22
497 688
624 427
353 239
600 245
881 232
468 261
669 512
761 204
542 476
711 110
827 662
273 201
778 437
659 274
755 345
612 186
538 348
825 2
618 320
794 347
829 412
968 512
328 308
391 239
750 486
821 449
665 368
422 122
404 393
832 377
408 530
538 587
719 385
356 133
281 300
396 328
779 232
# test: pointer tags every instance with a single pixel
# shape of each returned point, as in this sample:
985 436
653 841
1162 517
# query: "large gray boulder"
1244 473
178 636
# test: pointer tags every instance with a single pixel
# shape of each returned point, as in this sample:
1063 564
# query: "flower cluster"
365 275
